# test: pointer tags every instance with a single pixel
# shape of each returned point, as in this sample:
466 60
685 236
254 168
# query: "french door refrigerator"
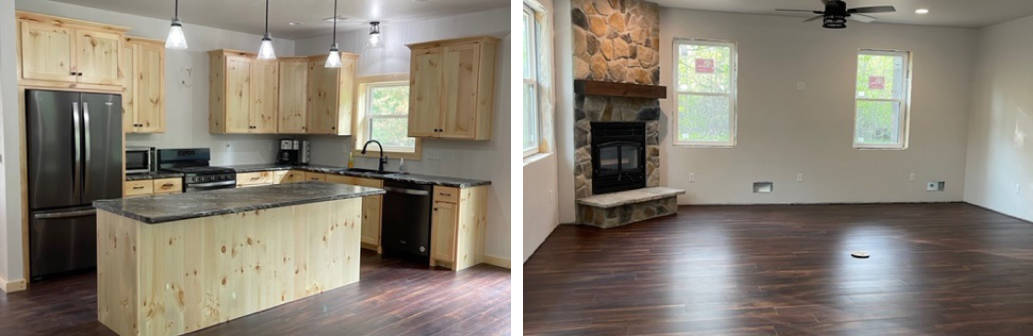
74 157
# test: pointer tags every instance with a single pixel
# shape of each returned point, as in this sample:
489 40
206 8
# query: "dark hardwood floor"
393 297
935 269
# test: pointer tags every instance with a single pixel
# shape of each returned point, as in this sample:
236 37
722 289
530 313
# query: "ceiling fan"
835 14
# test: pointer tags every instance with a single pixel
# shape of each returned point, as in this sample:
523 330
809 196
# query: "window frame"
363 127
904 127
733 94
533 83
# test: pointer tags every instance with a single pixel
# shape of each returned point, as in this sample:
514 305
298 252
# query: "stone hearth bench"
626 207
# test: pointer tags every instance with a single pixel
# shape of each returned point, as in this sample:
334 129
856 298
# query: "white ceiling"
953 13
248 15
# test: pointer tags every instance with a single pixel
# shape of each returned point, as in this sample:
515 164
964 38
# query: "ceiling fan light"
176 39
333 60
922 11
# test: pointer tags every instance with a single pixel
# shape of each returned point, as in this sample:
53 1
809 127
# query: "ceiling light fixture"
176 39
333 60
374 34
922 11
265 49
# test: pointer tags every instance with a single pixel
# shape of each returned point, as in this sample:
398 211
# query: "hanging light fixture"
334 59
265 50
176 39
374 34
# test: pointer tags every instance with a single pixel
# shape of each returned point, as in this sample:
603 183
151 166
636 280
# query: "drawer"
339 179
315 177
168 186
246 179
368 182
446 194
136 188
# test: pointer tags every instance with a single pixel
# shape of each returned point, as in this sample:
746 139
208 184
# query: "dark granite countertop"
403 177
174 207
152 176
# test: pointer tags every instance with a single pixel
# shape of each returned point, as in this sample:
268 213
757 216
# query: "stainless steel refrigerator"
74 157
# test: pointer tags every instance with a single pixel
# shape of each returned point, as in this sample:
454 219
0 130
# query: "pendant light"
265 49
176 39
334 59
374 34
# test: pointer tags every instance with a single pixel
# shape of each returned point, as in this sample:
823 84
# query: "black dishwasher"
406 220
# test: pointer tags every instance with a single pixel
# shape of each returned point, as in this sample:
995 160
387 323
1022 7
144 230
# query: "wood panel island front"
172 264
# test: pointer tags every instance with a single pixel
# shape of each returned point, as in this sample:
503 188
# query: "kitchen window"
705 86
882 98
532 121
383 115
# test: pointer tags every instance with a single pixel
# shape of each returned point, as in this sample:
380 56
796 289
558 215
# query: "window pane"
878 123
704 118
704 68
391 132
529 44
386 100
530 118
880 76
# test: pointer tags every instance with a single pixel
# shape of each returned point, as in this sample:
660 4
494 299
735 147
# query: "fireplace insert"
618 156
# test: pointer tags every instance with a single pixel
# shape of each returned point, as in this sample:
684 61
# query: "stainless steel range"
197 174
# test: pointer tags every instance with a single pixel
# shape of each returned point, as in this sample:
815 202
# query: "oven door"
138 161
210 186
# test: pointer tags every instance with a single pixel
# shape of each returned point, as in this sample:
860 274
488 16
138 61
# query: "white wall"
999 170
10 199
186 82
487 160
784 131
564 110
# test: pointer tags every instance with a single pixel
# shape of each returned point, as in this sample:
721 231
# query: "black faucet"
382 160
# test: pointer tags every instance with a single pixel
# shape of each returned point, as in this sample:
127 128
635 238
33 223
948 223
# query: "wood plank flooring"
935 269
393 297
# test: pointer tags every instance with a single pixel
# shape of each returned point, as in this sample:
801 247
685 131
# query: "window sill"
865 148
530 159
394 155
704 146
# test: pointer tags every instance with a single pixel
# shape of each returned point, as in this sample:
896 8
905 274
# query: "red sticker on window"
704 65
876 82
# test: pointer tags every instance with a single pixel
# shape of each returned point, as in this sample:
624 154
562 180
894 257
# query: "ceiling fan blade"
814 18
873 9
794 10
861 18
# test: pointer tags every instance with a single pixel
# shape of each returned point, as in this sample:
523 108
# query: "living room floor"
394 297
945 268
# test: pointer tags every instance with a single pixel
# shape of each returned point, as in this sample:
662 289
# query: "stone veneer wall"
615 41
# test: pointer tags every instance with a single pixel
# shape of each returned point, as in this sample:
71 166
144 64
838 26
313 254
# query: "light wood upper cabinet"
292 105
265 95
67 53
452 86
142 72
331 95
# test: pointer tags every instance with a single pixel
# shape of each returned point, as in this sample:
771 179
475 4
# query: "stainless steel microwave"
139 160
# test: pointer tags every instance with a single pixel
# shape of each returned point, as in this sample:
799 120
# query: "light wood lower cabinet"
137 188
457 226
371 209
152 187
288 176
168 186
309 176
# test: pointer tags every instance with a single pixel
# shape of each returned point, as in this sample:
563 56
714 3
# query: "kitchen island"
171 264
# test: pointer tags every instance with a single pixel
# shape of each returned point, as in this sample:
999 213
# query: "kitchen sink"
365 170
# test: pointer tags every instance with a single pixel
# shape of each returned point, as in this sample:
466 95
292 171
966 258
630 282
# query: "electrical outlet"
931 186
692 177
936 186
799 177
911 177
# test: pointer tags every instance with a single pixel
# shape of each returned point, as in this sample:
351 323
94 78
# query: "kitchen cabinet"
243 93
168 186
152 187
452 84
310 176
143 76
288 176
137 188
330 95
371 209
457 226
67 53
293 103
254 179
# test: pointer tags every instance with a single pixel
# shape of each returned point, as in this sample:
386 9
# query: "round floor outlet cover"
859 254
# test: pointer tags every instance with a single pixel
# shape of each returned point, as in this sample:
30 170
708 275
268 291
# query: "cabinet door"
459 70
371 206
322 99
47 52
125 70
96 56
292 105
264 96
442 231
149 87
238 94
425 92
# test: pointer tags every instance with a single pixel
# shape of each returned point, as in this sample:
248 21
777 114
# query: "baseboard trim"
818 203
12 286
496 261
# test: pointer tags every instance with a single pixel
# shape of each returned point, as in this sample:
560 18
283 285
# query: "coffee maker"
294 152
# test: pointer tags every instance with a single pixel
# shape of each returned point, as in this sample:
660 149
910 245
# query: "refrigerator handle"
86 152
77 171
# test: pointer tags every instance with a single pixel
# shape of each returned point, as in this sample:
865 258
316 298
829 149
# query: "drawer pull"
167 185
137 187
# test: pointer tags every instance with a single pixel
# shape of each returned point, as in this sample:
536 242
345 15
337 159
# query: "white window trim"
361 123
528 9
903 129
733 122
